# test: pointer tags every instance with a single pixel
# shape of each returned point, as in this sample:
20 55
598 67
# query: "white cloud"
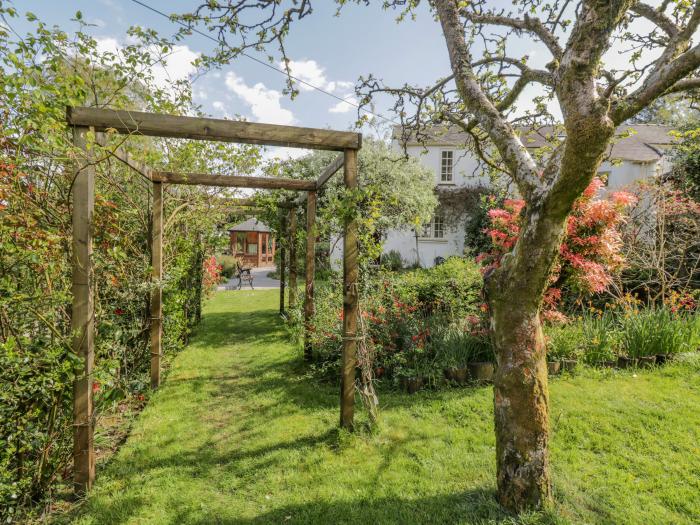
218 105
308 71
174 66
108 45
340 85
264 102
200 94
285 153
177 65
344 107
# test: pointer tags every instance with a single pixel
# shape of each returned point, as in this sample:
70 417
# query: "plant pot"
458 375
568 364
553 367
647 361
662 359
626 362
481 371
412 384
609 364
379 372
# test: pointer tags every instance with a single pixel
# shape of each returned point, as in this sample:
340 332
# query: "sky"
327 51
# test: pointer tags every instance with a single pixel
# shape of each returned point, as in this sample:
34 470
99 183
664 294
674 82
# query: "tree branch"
686 84
521 166
662 79
527 23
657 17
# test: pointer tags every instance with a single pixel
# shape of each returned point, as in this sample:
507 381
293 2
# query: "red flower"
119 311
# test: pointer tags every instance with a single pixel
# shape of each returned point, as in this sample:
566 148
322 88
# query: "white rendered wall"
623 176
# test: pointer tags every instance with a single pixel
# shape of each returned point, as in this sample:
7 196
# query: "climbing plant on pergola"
84 120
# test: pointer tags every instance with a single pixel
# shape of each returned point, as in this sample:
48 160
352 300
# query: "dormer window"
446 165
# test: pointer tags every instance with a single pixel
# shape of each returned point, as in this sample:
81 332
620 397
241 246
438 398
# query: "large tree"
488 74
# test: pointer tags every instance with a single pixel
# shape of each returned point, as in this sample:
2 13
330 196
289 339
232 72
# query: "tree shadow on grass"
228 328
476 506
270 387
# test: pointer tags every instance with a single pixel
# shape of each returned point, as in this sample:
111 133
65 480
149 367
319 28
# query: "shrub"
455 347
601 337
590 253
405 315
392 261
227 264
565 341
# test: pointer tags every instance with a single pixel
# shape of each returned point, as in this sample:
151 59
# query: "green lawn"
240 434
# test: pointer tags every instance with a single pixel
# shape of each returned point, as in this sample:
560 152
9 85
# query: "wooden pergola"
82 120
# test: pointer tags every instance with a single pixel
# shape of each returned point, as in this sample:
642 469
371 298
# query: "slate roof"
251 225
646 143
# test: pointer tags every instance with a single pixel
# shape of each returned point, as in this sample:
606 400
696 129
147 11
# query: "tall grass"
656 331
597 338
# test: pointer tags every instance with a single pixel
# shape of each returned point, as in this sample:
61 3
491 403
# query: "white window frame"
435 229
447 170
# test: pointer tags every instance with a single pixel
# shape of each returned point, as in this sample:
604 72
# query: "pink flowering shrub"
212 274
590 253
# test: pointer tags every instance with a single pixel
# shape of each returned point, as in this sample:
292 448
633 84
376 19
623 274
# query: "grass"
240 434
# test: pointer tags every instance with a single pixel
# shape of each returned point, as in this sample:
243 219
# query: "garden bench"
243 275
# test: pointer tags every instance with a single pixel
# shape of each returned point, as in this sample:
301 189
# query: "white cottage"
639 152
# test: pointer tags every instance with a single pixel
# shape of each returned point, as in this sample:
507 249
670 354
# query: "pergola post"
157 274
310 269
83 316
292 258
350 304
283 253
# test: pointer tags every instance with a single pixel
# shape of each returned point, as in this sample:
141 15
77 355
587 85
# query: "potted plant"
481 367
625 361
564 344
411 384
646 361
553 367
452 352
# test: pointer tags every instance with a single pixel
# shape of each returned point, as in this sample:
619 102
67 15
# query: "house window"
240 238
438 227
435 229
252 249
446 164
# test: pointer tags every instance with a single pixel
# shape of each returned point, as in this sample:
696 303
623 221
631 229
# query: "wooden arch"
82 120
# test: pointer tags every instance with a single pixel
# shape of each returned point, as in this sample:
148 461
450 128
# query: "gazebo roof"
251 225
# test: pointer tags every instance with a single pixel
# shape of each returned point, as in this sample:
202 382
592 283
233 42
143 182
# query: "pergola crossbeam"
330 171
202 128
233 181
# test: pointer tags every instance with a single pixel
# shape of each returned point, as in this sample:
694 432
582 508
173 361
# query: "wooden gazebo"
252 242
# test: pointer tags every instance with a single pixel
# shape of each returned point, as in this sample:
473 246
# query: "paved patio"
260 280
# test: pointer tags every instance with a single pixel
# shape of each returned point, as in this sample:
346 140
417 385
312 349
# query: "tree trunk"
521 396
521 400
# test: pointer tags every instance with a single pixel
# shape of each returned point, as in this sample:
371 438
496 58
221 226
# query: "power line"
263 63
